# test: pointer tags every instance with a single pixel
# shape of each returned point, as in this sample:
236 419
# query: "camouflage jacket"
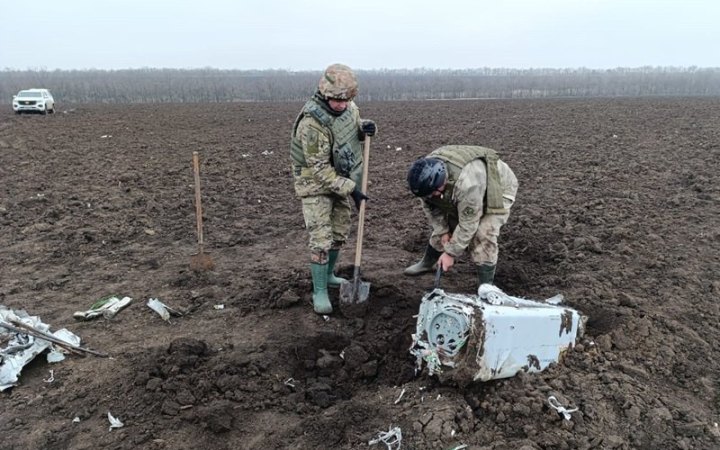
467 200
326 150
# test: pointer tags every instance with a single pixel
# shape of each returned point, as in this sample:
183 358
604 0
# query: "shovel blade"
353 298
354 292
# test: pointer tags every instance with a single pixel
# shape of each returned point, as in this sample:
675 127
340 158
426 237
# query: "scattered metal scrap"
162 309
107 307
400 396
114 422
555 404
20 327
25 337
391 438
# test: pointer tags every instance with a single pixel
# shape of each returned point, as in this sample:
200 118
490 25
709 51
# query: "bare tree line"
213 85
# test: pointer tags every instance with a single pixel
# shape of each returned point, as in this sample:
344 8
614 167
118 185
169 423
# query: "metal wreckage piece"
492 335
21 347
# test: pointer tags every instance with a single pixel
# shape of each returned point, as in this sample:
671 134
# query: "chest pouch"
344 160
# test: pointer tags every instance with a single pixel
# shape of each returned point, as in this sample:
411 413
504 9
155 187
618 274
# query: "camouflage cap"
338 82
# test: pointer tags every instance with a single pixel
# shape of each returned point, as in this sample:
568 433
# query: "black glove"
358 197
368 127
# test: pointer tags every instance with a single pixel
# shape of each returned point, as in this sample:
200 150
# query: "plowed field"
618 210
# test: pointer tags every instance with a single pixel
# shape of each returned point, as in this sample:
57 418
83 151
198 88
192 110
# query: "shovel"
356 291
201 261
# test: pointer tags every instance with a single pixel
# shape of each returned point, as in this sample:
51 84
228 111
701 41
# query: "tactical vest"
456 157
346 155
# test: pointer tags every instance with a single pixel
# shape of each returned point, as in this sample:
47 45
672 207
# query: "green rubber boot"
486 273
426 263
321 301
333 280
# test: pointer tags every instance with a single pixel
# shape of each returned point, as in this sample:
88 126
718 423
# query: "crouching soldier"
466 193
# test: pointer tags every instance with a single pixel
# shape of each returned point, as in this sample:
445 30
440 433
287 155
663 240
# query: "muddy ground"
617 210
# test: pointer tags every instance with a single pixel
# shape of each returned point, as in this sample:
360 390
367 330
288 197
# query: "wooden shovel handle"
198 205
361 213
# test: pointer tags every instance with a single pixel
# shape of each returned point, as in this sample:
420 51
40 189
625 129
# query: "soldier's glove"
368 127
358 197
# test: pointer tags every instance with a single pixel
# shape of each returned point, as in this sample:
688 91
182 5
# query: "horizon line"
275 69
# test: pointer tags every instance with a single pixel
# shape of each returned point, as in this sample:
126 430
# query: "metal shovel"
201 261
356 291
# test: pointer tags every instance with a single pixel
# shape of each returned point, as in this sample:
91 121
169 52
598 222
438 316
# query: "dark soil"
618 210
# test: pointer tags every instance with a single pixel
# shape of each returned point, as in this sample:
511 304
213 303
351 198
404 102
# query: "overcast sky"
365 34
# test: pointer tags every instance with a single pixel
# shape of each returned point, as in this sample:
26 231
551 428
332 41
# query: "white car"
34 100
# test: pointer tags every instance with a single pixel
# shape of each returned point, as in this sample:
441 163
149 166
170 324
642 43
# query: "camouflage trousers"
483 248
327 219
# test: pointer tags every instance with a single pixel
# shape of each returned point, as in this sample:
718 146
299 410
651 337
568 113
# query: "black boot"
486 273
426 263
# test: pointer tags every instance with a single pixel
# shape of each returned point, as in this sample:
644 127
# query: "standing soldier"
466 193
327 165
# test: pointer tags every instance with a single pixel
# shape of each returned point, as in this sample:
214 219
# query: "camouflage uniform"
327 164
326 170
463 210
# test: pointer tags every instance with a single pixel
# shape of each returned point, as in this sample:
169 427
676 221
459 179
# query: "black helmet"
425 176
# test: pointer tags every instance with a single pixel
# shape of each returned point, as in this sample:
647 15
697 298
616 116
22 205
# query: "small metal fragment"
391 438
400 397
555 404
114 423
